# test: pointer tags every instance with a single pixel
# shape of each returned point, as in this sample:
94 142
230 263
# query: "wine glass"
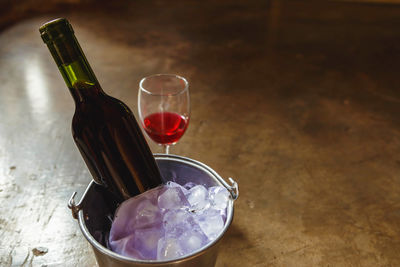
164 108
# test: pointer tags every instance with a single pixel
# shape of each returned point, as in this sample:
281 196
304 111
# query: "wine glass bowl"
164 108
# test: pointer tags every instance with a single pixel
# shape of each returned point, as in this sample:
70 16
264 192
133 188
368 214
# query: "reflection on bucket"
94 214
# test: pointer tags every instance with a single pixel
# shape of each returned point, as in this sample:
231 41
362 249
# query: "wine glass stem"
166 149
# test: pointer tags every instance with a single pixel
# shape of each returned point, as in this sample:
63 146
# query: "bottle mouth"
55 29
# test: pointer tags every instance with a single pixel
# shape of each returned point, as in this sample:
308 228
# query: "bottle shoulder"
102 104
100 112
119 104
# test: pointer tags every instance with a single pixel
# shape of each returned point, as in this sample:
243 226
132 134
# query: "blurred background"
298 101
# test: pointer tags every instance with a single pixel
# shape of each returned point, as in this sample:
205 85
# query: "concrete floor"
298 101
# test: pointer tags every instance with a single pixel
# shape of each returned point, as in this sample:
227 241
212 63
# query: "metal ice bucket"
93 214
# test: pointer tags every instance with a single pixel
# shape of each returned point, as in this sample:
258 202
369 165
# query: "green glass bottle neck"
75 69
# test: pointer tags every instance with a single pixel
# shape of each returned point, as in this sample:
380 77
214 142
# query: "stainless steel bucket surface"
95 214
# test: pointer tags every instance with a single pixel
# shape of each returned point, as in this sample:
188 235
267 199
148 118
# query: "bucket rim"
202 250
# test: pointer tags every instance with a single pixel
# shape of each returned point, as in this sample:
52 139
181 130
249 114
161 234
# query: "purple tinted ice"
169 248
211 223
169 222
219 197
177 219
172 198
132 214
192 240
183 188
146 241
147 215
198 197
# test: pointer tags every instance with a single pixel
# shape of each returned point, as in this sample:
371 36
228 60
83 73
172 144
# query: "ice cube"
146 241
173 218
210 222
198 197
172 198
152 194
219 197
125 247
192 240
168 248
120 244
124 219
173 184
165 224
147 215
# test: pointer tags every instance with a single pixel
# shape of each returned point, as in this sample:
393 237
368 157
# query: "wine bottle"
104 128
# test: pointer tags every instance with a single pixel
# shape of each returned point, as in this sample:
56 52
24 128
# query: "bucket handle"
233 188
75 208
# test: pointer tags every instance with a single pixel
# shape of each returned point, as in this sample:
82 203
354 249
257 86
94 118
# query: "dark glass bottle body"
104 128
112 144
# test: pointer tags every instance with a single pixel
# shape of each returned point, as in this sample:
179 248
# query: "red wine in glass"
165 127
